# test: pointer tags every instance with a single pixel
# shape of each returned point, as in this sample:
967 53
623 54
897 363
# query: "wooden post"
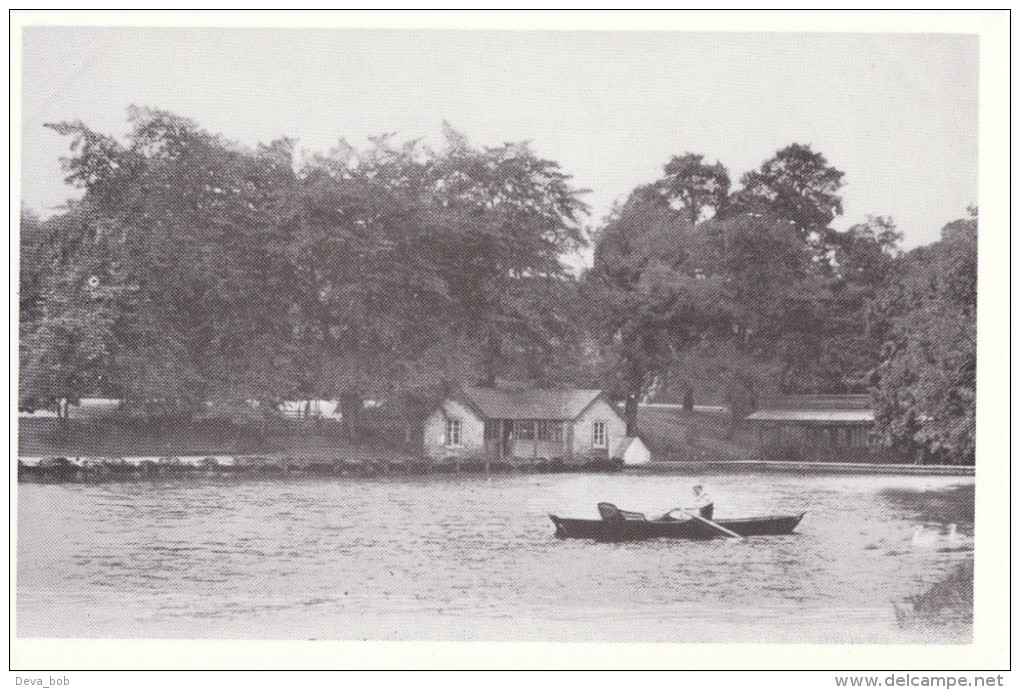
498 426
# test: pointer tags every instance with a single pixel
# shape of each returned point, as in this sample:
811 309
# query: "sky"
898 113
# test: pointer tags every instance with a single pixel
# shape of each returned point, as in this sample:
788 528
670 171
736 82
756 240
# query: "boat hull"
629 530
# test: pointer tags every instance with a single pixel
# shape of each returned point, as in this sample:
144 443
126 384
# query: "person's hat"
697 485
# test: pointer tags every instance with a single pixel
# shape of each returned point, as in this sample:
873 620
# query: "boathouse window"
454 427
598 434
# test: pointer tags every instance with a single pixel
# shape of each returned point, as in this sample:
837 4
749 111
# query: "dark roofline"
460 395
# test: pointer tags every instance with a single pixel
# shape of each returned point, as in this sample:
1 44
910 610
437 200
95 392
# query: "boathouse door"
498 438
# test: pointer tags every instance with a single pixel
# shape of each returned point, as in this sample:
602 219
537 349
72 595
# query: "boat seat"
611 513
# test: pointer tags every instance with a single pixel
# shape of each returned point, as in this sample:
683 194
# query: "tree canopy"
196 274
796 184
227 273
926 382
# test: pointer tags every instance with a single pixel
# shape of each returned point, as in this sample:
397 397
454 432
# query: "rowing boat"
625 525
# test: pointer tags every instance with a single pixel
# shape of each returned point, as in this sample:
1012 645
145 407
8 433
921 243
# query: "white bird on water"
922 538
958 541
926 539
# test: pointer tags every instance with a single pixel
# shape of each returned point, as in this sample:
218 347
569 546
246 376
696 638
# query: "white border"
991 634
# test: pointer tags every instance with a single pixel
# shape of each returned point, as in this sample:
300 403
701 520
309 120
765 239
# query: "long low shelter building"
824 428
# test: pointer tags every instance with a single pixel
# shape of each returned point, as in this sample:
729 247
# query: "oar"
713 524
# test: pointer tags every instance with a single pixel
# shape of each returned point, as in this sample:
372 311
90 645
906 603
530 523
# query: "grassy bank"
670 433
167 438
950 600
673 434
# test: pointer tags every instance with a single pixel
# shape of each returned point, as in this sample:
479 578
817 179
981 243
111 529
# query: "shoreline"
701 466
95 469
99 469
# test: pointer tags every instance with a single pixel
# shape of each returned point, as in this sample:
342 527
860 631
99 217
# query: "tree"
189 220
769 299
797 184
74 294
653 292
785 267
751 274
926 383
366 284
381 270
694 186
518 215
420 267
849 341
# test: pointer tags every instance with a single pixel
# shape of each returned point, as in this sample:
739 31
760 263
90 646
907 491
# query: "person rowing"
703 503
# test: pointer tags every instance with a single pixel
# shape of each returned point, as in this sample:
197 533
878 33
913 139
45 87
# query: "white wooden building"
506 425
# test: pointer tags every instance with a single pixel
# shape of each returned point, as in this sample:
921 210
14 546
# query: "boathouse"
818 428
528 424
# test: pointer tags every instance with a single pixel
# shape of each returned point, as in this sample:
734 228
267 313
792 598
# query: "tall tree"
366 276
364 270
849 340
73 295
194 239
519 216
797 184
752 274
654 294
690 184
925 393
770 295
450 261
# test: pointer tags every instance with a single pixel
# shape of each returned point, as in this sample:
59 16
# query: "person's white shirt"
701 499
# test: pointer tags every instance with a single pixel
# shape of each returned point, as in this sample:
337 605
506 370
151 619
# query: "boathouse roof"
530 403
847 409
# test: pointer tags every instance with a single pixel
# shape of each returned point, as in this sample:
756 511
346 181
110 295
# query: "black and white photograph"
333 330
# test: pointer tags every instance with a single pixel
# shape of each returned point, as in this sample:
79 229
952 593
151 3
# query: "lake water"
468 558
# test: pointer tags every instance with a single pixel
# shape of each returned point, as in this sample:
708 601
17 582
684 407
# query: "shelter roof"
816 408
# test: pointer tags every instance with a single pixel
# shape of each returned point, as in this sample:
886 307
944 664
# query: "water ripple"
397 558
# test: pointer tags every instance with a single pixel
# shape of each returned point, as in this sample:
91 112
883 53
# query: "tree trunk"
635 380
350 413
689 399
631 413
493 353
